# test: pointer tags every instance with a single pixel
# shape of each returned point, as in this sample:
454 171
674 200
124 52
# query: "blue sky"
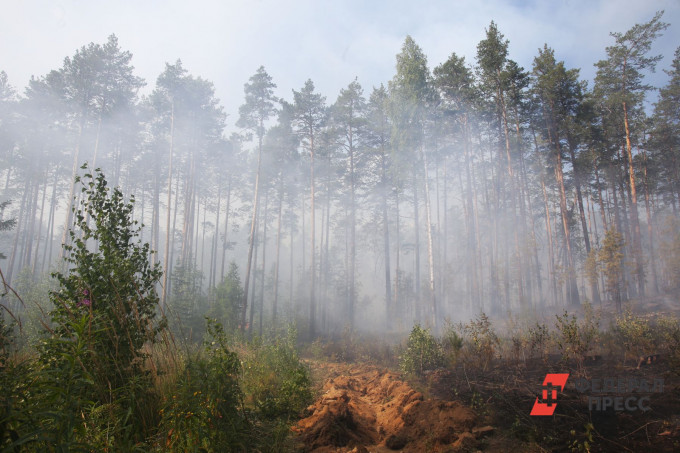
331 42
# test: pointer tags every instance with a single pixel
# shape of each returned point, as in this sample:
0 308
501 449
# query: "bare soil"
366 408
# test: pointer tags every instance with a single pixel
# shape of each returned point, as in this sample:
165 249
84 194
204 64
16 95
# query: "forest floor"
362 407
365 408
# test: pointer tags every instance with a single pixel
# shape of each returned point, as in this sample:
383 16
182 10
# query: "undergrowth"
103 372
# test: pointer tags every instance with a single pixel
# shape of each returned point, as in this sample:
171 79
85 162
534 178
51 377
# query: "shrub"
667 339
452 343
575 340
482 341
422 353
104 314
634 333
539 340
204 411
275 381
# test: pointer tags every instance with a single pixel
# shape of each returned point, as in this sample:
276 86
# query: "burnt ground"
365 408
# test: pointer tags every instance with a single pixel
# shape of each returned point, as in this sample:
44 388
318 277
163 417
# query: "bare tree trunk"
174 230
264 256
251 315
572 288
74 172
19 226
213 248
96 141
397 270
551 253
601 198
471 270
166 267
205 212
386 239
430 254
312 280
50 225
584 227
650 229
278 254
416 228
292 256
326 268
637 241
226 228
253 222
30 232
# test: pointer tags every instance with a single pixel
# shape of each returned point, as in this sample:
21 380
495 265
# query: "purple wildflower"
84 303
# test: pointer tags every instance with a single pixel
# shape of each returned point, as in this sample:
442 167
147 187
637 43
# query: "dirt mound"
363 406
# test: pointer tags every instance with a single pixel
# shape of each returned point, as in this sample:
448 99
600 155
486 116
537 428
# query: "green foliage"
482 341
582 443
667 340
14 384
205 410
228 300
452 344
539 340
576 339
611 260
186 302
423 352
104 314
275 381
35 301
259 105
634 333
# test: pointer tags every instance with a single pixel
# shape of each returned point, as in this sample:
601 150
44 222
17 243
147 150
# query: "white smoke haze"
498 230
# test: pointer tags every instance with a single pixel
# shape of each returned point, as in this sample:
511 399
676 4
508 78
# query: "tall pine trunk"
251 244
166 266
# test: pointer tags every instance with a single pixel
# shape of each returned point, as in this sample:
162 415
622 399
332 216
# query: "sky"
329 42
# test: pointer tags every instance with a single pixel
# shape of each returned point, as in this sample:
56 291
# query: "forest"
153 246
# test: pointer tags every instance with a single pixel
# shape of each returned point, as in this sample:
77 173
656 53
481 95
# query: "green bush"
228 299
576 339
186 302
539 340
104 315
205 409
276 382
667 340
634 333
422 352
452 344
482 342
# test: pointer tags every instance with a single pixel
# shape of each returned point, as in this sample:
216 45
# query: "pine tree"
310 115
558 93
348 117
620 82
259 107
